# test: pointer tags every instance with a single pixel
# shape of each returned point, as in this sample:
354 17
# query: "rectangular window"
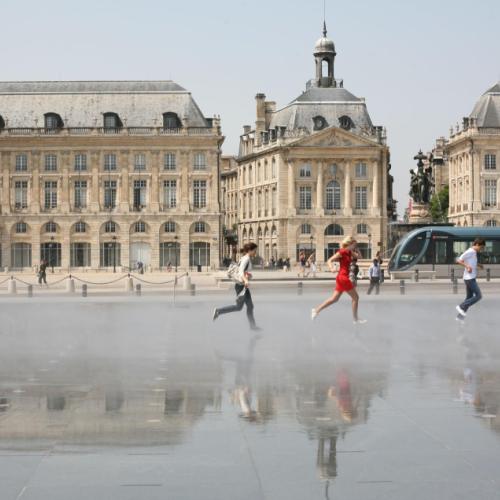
273 201
140 162
50 194
305 171
199 162
80 163
361 197
21 163
169 161
21 194
80 194
50 163
274 170
361 170
490 162
490 193
110 194
305 197
109 162
200 194
170 193
139 194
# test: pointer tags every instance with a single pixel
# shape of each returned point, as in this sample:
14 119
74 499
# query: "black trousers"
42 276
374 283
241 300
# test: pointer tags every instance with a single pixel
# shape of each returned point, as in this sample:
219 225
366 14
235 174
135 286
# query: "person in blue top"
470 262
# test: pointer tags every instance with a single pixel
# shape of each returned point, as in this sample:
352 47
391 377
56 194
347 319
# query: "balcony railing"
137 131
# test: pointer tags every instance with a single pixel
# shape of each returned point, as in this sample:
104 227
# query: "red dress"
344 284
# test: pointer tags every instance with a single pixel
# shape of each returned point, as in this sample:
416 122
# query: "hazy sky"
421 65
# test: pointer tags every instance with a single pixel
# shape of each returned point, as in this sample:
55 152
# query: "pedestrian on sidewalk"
302 264
469 260
374 275
42 273
311 264
344 256
242 277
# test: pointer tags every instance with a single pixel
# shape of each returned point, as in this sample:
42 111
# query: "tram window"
441 253
491 253
459 247
412 250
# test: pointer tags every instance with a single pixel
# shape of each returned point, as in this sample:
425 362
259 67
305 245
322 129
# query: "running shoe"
360 321
216 314
460 311
314 314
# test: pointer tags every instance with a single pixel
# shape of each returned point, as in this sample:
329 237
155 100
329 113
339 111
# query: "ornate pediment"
334 137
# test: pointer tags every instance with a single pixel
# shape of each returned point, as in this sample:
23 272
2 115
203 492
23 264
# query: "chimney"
260 122
246 129
270 107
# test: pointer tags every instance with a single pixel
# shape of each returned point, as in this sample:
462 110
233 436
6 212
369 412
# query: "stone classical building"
106 174
314 171
472 153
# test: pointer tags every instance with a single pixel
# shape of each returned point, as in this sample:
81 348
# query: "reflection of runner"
241 287
343 283
469 261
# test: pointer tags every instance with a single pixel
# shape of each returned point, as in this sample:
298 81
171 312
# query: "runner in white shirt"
469 261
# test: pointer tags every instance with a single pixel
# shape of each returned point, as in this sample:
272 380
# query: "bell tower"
324 55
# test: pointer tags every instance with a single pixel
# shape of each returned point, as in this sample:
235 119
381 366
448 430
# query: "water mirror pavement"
134 398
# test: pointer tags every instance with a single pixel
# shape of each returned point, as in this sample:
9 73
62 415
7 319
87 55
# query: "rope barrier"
4 281
157 282
23 282
102 283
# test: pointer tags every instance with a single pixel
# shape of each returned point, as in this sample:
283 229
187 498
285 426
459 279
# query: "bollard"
138 289
488 274
455 286
84 290
416 276
129 285
186 283
300 288
70 285
192 290
452 274
11 286
402 287
30 290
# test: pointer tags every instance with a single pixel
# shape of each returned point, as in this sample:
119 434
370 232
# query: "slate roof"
81 104
487 109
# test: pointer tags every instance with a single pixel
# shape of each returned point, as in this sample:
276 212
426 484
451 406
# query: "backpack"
233 271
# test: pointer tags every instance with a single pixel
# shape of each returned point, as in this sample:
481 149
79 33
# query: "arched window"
305 229
200 227
491 223
80 227
333 195
140 227
110 227
334 230
51 227
325 68
112 121
170 227
319 123
21 227
53 121
171 120
346 122
362 229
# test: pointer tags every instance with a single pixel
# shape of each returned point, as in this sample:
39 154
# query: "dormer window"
112 121
171 120
319 123
346 122
53 121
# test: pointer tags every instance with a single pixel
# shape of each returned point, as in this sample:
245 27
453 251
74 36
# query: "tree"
439 205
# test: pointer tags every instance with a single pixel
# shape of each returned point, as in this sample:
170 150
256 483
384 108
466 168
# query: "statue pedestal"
420 214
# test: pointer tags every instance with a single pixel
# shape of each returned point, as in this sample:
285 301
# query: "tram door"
441 252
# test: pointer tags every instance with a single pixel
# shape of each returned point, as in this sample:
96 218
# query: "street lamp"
369 245
311 239
175 250
51 244
113 245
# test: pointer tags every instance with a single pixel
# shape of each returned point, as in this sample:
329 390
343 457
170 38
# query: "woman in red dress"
343 283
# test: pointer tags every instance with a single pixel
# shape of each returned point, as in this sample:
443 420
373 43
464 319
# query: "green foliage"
439 205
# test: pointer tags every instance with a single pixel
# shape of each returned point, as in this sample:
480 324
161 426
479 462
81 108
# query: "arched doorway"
140 251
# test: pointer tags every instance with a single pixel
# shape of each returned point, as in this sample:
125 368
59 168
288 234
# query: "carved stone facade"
314 171
472 153
132 176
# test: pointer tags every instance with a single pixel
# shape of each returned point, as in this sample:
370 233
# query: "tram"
437 249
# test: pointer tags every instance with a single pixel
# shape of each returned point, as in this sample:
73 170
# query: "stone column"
64 189
347 189
65 240
155 245
95 201
476 180
291 189
35 238
154 201
375 188
5 159
126 166
95 243
184 180
184 240
320 189
34 192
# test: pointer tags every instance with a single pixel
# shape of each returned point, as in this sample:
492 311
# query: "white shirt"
245 266
469 257
374 271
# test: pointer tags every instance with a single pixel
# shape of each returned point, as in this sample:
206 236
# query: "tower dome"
324 45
